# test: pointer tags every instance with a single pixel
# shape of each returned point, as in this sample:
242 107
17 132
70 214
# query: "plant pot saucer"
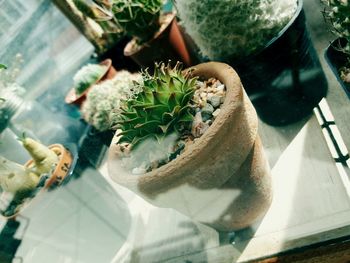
336 60
73 98
59 176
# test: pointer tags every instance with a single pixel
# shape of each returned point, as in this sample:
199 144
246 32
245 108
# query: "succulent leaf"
139 18
161 108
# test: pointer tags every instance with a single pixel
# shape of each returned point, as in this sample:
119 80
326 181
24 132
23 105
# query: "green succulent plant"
162 107
138 18
338 14
230 29
86 76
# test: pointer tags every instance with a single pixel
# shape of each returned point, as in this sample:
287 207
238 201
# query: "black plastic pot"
285 80
94 144
336 60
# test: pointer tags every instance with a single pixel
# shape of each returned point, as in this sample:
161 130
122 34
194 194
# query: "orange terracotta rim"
57 176
62 168
110 72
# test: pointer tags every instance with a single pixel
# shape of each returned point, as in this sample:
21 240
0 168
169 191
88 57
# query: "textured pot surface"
208 181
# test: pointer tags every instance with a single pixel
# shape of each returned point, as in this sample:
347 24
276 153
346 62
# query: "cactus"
161 107
230 29
138 18
86 76
337 12
103 101
16 179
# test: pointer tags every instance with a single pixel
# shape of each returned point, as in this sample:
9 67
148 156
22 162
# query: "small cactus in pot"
20 183
138 18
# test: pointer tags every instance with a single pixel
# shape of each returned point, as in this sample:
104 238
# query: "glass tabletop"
94 219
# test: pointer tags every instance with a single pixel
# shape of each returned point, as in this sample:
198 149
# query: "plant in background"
138 18
338 14
231 29
44 159
103 101
99 11
17 179
87 76
161 108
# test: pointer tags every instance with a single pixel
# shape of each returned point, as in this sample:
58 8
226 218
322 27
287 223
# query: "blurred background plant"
337 13
104 100
231 29
95 20
138 18
87 76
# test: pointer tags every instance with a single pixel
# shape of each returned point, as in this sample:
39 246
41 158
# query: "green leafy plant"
161 108
231 29
337 12
87 76
2 66
138 18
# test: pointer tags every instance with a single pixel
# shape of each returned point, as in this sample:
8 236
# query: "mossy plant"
231 29
161 108
138 18
87 76
102 104
337 12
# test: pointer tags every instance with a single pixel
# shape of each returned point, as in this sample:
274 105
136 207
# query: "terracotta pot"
223 178
73 98
56 178
167 44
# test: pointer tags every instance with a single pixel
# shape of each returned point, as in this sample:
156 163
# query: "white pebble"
139 171
216 113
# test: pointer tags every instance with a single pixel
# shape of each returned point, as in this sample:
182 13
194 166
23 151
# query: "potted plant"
86 77
156 36
188 140
269 46
338 53
97 109
94 20
48 168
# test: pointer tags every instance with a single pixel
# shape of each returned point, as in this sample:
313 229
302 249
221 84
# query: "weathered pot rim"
234 94
72 97
128 51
